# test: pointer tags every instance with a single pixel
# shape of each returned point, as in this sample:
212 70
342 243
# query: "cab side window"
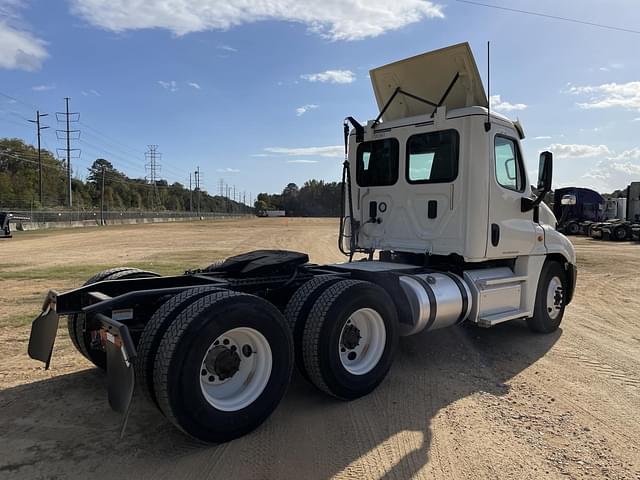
509 167
432 157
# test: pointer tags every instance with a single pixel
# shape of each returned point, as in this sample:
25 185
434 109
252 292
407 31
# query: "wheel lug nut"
352 355
212 378
203 372
343 349
233 348
225 341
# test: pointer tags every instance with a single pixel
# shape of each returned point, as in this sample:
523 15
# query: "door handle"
432 209
495 234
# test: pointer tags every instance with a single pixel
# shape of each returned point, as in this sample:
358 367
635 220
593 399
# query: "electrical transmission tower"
38 129
66 118
152 166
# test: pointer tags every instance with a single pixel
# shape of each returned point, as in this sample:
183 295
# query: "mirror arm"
528 204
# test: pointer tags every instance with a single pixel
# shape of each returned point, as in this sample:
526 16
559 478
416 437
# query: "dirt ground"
462 403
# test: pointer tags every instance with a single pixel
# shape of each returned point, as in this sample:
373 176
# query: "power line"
546 15
27 160
14 99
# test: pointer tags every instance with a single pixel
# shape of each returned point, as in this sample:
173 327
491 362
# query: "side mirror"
545 172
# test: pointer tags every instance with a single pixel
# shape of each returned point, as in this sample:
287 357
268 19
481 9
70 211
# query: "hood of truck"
428 76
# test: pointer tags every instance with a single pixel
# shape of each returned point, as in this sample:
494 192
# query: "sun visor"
428 76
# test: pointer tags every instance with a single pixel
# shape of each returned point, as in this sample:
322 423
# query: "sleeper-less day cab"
440 226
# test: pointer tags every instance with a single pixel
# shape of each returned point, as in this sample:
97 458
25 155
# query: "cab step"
487 321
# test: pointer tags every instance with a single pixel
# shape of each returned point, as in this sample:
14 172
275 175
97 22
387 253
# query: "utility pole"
38 128
67 118
197 174
102 197
190 195
152 156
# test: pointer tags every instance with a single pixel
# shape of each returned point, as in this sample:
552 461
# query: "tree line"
315 198
19 186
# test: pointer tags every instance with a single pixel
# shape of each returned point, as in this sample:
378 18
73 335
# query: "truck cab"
437 179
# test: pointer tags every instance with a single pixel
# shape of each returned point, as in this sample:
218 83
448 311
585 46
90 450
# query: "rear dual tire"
345 334
223 365
76 323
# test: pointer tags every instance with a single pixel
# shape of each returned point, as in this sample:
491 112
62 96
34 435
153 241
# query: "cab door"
511 232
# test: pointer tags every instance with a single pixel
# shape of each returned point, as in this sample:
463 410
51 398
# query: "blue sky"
255 92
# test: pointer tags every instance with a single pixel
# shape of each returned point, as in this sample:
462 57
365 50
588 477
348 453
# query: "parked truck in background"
626 226
439 226
577 208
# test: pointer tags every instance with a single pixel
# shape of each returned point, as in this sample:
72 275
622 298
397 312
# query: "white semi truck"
440 226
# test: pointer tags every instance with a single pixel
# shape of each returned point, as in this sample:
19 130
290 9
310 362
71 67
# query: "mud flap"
120 376
43 331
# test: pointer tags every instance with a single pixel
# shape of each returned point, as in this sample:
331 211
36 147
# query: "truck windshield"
377 163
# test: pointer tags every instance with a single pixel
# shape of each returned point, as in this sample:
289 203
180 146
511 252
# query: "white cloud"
228 170
609 95
542 137
302 161
498 104
305 108
171 85
227 48
609 175
93 92
19 48
332 19
331 76
561 150
43 88
633 154
194 85
333 151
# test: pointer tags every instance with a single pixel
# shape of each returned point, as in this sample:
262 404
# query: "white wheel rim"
555 297
246 384
362 358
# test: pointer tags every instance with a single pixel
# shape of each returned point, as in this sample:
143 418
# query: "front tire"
350 339
550 299
223 365
573 228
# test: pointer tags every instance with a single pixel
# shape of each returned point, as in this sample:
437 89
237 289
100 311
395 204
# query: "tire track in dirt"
606 370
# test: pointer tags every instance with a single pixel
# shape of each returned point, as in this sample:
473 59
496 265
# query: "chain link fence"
45 218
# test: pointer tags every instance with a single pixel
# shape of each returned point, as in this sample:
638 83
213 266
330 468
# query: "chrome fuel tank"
436 300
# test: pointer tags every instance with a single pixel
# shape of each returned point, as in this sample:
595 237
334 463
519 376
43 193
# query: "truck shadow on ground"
63 428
